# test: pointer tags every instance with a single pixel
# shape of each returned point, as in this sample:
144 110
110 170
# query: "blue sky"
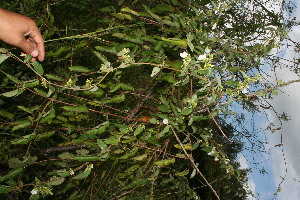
273 161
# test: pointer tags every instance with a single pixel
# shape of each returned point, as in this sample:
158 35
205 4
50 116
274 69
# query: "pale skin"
22 32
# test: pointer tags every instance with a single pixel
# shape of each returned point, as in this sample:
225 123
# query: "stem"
194 164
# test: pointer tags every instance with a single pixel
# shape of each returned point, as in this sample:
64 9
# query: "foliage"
128 100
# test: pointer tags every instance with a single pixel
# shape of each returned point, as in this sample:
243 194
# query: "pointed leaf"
101 144
79 69
6 114
11 93
76 108
38 68
83 174
162 163
155 71
4 189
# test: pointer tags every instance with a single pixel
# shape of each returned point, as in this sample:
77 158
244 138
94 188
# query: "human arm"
21 31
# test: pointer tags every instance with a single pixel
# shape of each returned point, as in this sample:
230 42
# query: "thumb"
28 47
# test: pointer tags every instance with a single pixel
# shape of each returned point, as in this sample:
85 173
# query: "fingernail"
35 53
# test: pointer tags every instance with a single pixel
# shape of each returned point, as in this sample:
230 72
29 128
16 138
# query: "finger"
28 47
37 38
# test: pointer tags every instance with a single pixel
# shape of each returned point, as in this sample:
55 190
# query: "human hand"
21 31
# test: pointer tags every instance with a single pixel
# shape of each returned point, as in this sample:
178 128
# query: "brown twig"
194 164
218 125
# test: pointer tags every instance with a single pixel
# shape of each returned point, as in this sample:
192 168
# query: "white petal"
201 57
184 54
165 121
245 90
34 191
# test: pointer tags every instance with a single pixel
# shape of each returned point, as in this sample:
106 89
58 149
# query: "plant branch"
194 164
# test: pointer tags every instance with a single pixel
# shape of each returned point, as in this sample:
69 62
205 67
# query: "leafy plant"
125 104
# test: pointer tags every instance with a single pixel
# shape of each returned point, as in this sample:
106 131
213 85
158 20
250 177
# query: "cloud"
287 157
250 185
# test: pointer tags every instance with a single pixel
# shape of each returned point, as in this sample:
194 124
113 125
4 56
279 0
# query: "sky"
279 161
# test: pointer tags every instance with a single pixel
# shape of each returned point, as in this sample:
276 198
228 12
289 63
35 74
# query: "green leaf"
207 149
54 77
164 108
193 173
44 135
76 108
11 93
87 158
163 100
83 174
138 130
3 56
82 152
186 112
130 154
141 157
34 197
38 68
232 83
164 131
14 162
56 181
130 11
218 80
169 77
12 78
184 173
275 92
155 71
163 163
165 8
176 41
111 141
101 144
24 140
185 146
48 118
100 56
32 83
21 124
4 189
151 13
12 174
6 114
234 69
25 109
158 45
40 92
115 99
98 130
112 49
66 155
127 87
79 69
129 140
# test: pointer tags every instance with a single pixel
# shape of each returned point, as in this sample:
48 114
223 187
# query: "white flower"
207 50
216 159
165 121
214 26
245 90
212 151
183 54
201 57
226 161
34 191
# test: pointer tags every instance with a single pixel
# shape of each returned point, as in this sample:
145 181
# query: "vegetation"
131 99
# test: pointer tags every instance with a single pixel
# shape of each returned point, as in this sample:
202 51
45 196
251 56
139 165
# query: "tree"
127 103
